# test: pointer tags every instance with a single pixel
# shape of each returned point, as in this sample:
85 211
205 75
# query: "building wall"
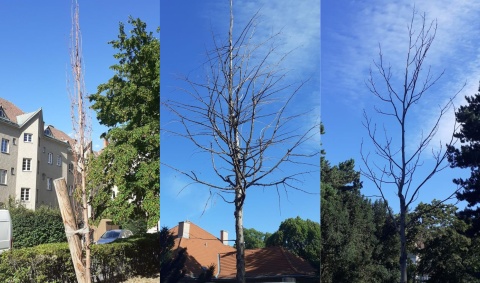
36 150
27 179
8 161
51 171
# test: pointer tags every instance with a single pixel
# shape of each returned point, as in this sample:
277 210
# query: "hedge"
114 262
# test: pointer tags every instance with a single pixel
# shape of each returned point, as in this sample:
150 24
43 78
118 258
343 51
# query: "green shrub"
114 262
33 228
49 262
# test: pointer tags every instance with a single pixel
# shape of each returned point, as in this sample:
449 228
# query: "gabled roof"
10 110
202 248
266 262
59 135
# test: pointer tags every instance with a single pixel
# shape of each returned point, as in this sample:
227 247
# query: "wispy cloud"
453 50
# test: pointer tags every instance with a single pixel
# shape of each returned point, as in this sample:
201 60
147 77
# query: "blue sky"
186 34
34 54
351 33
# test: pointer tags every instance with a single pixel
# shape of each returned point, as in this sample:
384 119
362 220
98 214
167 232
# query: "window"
2 113
49 184
70 190
26 165
59 160
25 194
43 150
50 158
12 170
70 167
27 137
48 132
3 177
14 141
5 148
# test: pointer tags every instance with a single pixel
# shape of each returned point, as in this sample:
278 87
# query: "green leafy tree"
254 239
302 237
468 156
446 254
129 105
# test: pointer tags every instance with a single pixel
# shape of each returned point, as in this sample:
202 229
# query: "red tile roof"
203 249
266 262
10 109
59 135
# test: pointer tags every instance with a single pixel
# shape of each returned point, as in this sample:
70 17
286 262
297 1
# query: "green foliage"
446 254
254 239
32 228
467 157
49 262
359 242
137 225
129 105
135 256
302 237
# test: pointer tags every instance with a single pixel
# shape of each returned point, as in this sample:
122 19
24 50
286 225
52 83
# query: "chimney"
105 142
224 237
184 229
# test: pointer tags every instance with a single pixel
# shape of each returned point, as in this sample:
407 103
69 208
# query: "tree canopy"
128 104
468 156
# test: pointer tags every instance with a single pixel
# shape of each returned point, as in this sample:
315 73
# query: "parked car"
113 235
6 237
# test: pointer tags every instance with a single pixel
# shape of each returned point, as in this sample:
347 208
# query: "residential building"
32 155
271 264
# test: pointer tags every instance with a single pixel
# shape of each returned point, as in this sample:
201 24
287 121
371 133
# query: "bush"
114 262
33 228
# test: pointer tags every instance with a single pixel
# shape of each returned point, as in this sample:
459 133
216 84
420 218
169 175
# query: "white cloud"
453 50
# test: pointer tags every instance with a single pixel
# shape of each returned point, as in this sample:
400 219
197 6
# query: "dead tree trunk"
80 121
74 241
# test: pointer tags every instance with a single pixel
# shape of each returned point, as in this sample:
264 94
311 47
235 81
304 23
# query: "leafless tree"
239 117
398 163
82 130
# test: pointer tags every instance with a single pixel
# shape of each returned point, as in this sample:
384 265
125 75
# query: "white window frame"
70 190
27 137
3 176
49 184
59 160
27 164
5 146
50 158
25 194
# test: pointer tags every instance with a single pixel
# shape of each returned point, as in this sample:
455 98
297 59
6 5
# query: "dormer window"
48 132
2 113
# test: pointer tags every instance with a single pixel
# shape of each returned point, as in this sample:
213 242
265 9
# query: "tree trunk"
74 242
403 243
239 197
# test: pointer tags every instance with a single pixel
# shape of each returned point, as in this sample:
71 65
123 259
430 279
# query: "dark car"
113 235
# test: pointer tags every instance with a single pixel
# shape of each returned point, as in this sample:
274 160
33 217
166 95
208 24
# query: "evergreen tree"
468 156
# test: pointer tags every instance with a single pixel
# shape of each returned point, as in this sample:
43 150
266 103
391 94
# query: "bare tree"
240 118
398 162
81 128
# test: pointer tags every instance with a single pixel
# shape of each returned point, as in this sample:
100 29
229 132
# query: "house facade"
32 155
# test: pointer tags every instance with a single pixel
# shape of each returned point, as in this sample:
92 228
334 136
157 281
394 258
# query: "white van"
6 237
